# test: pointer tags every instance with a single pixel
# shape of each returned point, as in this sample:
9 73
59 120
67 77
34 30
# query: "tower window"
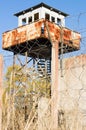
36 16
47 16
58 21
30 19
23 21
52 19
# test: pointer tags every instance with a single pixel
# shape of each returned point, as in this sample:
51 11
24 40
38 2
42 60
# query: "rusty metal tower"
40 42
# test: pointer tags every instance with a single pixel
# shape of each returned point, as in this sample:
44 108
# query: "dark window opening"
36 16
30 19
52 19
58 21
47 16
23 21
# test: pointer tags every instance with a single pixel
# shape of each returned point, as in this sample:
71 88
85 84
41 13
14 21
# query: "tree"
20 96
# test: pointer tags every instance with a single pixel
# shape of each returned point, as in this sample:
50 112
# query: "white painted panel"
41 11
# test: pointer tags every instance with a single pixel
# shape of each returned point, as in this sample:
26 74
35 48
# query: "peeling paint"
33 31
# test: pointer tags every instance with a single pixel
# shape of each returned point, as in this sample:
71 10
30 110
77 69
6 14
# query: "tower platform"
38 37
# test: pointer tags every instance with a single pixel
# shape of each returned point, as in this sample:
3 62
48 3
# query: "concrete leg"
54 86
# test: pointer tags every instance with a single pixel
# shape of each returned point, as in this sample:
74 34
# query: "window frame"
36 16
30 19
24 21
47 18
52 19
59 21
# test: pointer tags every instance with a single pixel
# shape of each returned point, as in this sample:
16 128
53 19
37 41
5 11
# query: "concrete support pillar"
1 78
54 86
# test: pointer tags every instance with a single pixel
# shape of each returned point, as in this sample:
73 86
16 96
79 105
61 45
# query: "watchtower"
41 36
41 11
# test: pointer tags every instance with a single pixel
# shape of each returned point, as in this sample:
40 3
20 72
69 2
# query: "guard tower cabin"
41 11
44 24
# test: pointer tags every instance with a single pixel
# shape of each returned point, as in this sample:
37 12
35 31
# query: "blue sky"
75 8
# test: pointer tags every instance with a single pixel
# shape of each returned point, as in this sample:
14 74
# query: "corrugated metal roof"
40 5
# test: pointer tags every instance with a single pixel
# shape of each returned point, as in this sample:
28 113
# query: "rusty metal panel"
33 31
20 35
69 37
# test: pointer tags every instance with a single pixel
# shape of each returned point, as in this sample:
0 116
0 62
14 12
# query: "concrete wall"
72 93
71 97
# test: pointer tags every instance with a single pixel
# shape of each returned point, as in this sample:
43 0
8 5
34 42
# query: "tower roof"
40 5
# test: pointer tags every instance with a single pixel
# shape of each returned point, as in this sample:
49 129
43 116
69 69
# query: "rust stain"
66 34
33 31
